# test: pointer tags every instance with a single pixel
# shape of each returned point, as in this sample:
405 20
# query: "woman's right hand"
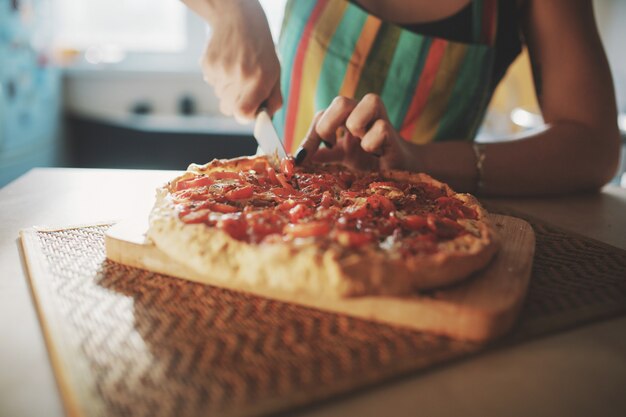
240 60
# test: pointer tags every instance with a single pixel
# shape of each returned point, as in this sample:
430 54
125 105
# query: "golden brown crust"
302 266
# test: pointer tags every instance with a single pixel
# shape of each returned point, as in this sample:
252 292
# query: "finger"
334 117
378 137
328 155
228 99
311 141
275 101
355 156
250 100
366 112
208 69
221 87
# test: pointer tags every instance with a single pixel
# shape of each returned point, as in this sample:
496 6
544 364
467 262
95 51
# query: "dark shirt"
458 27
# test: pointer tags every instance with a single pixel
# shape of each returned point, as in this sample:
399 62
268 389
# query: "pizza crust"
303 267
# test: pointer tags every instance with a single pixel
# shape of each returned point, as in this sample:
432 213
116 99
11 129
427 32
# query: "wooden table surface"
576 373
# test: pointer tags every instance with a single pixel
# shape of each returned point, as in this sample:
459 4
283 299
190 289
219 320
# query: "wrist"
480 156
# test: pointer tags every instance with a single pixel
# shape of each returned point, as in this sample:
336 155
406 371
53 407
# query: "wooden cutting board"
478 309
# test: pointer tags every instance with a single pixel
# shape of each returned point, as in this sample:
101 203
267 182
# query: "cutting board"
479 309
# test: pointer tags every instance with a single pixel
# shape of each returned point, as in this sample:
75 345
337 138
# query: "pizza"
320 229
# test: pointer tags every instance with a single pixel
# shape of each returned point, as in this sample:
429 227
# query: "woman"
404 84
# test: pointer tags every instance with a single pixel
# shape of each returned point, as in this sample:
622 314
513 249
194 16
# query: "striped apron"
434 89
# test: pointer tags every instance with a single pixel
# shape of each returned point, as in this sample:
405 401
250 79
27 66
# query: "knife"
267 138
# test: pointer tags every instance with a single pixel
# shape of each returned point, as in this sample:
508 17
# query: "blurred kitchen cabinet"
30 90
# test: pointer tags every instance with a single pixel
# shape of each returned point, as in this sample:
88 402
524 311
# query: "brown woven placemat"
127 342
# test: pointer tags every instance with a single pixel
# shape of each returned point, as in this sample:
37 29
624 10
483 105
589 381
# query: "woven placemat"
127 342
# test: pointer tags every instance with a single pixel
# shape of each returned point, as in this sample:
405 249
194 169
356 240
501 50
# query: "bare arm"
240 60
578 150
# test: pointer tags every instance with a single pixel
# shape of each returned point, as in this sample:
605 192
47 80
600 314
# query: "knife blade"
267 138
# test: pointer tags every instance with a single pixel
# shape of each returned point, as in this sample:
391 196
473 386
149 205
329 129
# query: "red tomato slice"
443 227
446 201
311 229
225 175
271 175
236 228
349 194
327 200
469 213
282 192
288 168
283 181
355 211
380 201
199 216
383 184
299 211
388 226
261 230
414 222
286 205
223 208
353 239
240 193
259 166
194 183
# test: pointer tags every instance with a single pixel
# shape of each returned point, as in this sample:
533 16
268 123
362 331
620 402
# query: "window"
137 34
130 25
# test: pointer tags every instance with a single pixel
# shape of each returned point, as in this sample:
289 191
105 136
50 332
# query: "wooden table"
586 374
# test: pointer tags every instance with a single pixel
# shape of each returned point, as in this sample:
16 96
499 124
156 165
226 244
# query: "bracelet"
479 151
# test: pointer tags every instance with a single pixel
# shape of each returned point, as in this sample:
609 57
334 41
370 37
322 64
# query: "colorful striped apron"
434 89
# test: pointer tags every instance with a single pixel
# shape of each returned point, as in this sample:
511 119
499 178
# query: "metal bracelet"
479 151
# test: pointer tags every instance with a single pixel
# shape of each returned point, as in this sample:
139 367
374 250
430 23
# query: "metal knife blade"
267 138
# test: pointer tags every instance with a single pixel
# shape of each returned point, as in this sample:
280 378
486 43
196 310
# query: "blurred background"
117 84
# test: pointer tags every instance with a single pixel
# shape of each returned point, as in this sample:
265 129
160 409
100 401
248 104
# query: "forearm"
565 157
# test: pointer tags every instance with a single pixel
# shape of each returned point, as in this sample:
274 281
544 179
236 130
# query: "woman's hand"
358 134
240 60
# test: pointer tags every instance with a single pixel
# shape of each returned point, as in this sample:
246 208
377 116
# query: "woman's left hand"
358 134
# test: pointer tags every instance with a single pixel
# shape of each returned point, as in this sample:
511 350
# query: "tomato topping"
235 227
202 181
356 211
388 225
443 227
259 166
350 194
240 193
354 239
336 206
287 166
271 175
299 211
311 229
223 208
283 192
383 184
225 175
193 217
326 200
283 181
414 222
377 201
287 205
447 201
469 213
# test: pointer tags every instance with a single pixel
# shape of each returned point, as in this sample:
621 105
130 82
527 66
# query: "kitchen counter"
581 372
